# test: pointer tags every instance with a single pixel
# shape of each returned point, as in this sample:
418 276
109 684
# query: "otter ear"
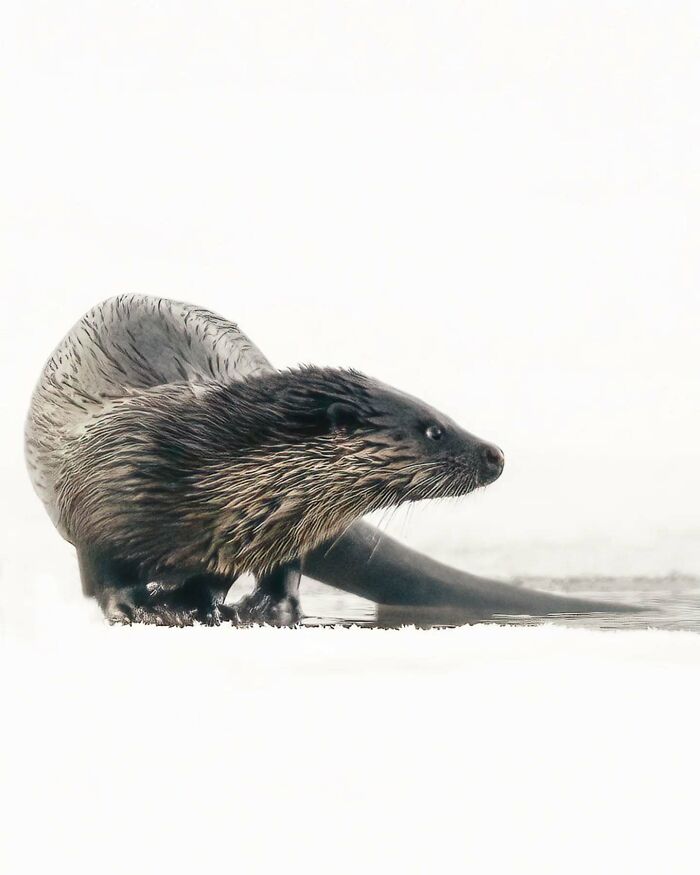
342 417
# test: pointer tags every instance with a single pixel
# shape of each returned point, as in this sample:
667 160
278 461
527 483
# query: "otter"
172 475
174 458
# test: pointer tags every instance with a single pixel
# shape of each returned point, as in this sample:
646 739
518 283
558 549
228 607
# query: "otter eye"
434 432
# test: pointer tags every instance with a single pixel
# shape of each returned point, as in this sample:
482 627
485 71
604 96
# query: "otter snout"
491 462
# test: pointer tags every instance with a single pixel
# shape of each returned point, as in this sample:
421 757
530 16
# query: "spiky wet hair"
248 475
299 403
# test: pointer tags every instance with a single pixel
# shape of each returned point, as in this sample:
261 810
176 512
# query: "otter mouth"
478 470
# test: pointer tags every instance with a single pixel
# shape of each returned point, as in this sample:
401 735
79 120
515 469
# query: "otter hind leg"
113 583
273 602
170 599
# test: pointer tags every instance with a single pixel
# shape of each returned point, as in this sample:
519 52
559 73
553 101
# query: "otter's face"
422 453
296 456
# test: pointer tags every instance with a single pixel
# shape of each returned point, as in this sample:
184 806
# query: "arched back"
122 346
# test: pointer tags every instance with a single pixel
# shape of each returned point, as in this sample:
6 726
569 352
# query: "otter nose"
493 461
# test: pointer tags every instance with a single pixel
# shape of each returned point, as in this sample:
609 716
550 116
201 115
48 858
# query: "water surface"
668 602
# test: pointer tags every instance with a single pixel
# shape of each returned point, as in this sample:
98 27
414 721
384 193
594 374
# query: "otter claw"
119 618
229 614
262 609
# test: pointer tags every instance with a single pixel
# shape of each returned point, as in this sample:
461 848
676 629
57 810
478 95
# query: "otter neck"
266 511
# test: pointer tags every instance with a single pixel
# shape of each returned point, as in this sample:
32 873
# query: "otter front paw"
261 608
153 607
158 615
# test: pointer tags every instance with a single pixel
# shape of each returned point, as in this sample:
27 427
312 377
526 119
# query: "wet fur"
249 476
165 447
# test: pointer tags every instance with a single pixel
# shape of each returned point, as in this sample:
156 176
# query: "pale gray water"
669 602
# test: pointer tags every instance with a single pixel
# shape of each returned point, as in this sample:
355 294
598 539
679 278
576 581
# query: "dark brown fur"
168 450
252 475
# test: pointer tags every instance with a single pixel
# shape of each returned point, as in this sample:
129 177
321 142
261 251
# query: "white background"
494 206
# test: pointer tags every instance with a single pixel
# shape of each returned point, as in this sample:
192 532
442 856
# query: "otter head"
294 457
396 446
324 446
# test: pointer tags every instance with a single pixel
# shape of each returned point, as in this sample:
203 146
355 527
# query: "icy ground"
483 749
480 749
